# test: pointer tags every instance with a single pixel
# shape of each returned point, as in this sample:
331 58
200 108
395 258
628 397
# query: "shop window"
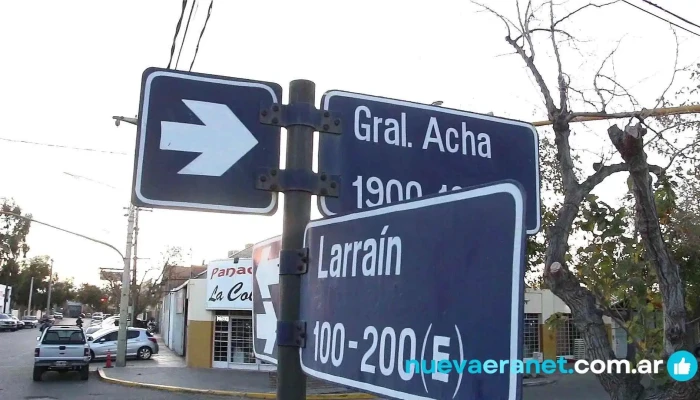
242 340
233 338
531 335
569 340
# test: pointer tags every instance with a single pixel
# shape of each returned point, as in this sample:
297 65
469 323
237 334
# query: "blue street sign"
437 278
200 143
266 298
393 150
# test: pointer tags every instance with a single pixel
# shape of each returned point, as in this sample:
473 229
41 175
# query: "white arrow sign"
268 272
266 326
222 140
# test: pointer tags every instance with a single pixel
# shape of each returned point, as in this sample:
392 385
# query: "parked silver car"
30 321
140 343
18 322
7 323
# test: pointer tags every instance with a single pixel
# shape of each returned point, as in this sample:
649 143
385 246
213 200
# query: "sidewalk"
167 371
164 358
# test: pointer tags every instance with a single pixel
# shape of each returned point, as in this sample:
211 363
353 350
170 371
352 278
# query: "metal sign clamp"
293 333
288 180
294 262
301 114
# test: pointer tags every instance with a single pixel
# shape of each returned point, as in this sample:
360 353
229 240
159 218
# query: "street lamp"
121 348
437 103
133 121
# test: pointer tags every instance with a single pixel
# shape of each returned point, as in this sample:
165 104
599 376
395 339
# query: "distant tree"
149 291
62 290
149 288
13 241
112 290
39 268
91 295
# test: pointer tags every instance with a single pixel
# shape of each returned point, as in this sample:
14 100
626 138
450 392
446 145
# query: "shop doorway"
233 340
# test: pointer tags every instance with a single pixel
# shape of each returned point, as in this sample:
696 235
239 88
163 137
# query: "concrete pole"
124 303
31 291
48 301
134 283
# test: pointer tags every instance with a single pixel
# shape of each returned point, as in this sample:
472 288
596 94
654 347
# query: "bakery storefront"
220 322
230 291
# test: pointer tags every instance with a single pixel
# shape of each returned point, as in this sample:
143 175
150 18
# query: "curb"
538 382
250 395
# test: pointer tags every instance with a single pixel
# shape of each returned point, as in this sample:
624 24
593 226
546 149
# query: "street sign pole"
291 381
298 182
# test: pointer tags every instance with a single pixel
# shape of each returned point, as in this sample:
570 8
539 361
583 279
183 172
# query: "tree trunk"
630 145
586 315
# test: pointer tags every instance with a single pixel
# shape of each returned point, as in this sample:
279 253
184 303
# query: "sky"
68 67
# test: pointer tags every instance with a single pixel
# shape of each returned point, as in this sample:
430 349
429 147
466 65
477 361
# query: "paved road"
568 387
16 361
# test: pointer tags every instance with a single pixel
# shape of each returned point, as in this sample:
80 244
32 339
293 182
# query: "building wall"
200 326
164 323
171 319
545 303
179 318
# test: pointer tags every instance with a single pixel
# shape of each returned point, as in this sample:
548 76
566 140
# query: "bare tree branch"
529 60
563 95
525 25
571 14
583 97
507 22
549 30
549 103
605 171
675 70
604 103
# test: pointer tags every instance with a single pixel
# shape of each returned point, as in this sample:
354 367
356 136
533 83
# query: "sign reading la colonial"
230 284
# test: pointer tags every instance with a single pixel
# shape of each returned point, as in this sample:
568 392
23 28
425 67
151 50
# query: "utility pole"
124 303
31 291
134 283
48 301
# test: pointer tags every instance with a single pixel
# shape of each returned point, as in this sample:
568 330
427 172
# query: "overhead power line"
63 147
177 31
184 35
196 50
661 18
88 179
669 12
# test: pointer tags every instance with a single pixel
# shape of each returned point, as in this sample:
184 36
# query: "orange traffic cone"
109 360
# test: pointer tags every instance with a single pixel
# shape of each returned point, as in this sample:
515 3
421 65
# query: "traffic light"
103 299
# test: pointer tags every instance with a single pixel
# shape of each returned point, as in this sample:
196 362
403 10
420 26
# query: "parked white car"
30 321
62 348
